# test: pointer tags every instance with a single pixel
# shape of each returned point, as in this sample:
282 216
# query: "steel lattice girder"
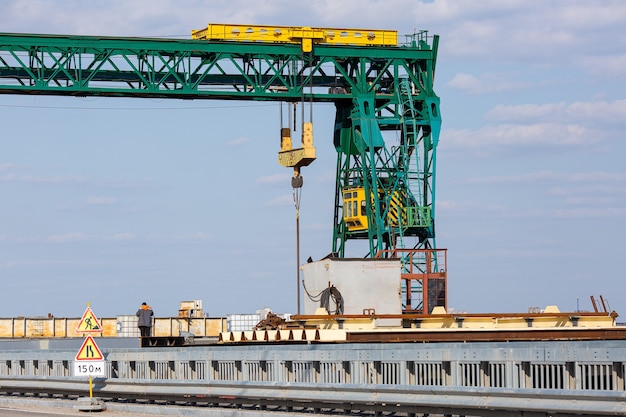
191 69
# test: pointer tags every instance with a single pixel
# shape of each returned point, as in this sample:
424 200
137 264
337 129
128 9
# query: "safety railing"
557 371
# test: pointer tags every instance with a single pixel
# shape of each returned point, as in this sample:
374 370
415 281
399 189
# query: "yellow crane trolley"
302 35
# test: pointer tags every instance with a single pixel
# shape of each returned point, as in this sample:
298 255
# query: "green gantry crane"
386 127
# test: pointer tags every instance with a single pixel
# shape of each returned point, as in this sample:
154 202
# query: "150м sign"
90 368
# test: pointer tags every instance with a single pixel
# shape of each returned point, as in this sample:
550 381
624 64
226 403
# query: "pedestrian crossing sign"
89 351
89 323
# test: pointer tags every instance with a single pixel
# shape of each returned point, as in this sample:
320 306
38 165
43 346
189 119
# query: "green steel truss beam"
377 90
192 69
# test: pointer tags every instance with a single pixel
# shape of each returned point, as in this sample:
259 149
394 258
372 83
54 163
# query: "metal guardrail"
486 379
348 397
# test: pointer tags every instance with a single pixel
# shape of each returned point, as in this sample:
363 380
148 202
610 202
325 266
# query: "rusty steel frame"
419 268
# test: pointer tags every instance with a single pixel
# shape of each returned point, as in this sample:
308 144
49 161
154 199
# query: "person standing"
144 322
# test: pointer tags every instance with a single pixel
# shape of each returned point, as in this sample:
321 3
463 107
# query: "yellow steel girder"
304 35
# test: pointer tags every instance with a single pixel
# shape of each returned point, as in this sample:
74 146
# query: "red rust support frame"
424 272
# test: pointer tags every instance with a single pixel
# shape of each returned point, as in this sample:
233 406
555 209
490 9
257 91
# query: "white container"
126 326
241 322
355 280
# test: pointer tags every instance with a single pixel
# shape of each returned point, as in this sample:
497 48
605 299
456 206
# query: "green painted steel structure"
387 113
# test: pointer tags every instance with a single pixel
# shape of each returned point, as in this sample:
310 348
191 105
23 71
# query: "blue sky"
120 201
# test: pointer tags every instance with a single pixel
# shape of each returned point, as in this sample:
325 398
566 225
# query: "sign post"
89 360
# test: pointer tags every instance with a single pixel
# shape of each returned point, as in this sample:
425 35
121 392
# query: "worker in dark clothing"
145 320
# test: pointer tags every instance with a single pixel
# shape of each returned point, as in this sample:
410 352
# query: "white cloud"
559 195
543 176
484 84
550 33
549 126
599 187
489 138
589 113
553 33
613 65
590 212
567 211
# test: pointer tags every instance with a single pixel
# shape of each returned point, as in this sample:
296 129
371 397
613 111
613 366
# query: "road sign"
89 323
89 351
89 368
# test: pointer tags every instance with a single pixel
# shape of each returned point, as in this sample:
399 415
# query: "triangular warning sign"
89 323
89 351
